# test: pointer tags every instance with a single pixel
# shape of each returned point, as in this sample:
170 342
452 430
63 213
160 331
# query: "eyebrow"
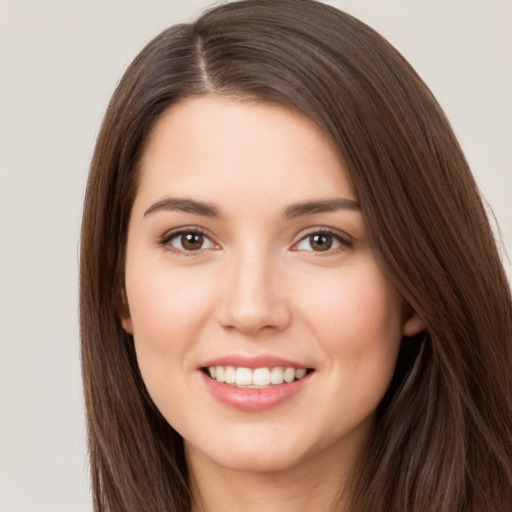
323 206
293 211
183 205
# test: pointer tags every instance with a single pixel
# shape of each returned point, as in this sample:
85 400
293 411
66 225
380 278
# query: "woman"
291 297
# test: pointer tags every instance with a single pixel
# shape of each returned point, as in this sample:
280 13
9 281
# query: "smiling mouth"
258 378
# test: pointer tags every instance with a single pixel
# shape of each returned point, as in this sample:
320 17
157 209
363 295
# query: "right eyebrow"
321 206
183 205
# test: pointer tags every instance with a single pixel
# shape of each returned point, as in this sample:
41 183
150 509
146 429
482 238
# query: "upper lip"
253 362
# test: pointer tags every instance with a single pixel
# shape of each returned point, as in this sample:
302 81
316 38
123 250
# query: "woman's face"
248 259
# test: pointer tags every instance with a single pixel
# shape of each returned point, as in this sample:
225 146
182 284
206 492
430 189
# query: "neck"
315 485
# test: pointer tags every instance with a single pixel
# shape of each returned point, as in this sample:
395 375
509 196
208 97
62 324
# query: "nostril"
255 319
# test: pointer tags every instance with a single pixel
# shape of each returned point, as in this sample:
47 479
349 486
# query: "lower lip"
254 400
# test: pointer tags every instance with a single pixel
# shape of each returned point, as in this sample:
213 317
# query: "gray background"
59 64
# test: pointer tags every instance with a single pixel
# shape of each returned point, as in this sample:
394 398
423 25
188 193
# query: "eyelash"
344 241
167 238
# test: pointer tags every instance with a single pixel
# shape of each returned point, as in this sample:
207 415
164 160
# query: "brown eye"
192 241
321 242
189 241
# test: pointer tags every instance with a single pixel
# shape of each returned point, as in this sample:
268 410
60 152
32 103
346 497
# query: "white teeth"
300 373
289 374
259 377
219 374
243 377
277 375
229 375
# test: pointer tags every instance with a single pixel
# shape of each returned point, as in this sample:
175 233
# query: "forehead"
213 145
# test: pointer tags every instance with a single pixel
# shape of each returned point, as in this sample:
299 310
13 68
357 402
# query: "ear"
413 324
126 323
124 312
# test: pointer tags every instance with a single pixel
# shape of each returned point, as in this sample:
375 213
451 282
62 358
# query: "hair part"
443 436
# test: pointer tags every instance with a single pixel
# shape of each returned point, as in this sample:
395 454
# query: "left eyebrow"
322 206
183 205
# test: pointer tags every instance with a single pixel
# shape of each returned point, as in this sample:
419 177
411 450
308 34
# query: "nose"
253 297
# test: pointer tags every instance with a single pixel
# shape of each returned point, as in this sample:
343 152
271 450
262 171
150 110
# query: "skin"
256 285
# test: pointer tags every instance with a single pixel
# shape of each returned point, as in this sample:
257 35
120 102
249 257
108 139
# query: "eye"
322 241
187 241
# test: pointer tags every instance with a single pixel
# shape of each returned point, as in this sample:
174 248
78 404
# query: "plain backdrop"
59 63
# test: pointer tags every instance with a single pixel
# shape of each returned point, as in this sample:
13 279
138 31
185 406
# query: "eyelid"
345 240
166 238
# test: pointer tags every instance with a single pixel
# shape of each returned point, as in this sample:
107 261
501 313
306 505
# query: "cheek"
163 301
358 327
168 309
358 321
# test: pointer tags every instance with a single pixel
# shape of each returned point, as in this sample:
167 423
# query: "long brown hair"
443 436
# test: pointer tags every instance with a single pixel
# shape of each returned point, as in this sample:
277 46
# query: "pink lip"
252 362
254 400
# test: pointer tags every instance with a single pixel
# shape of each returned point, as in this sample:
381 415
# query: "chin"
261 462
257 462
253 453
